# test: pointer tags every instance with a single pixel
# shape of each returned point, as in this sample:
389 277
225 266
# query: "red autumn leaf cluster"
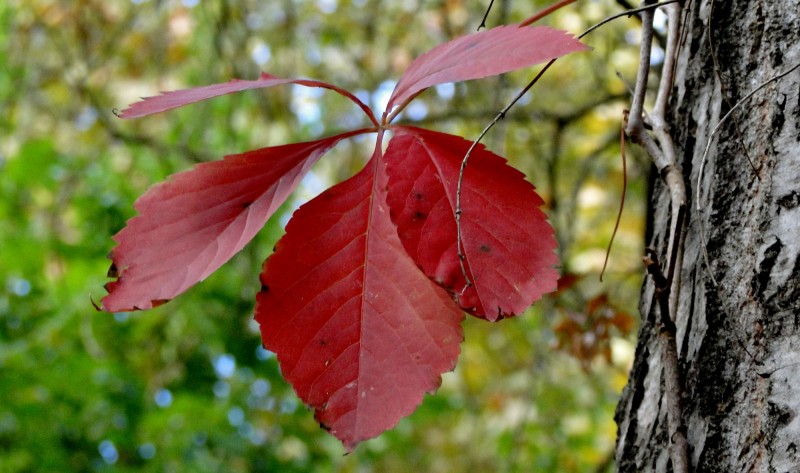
363 297
586 333
586 327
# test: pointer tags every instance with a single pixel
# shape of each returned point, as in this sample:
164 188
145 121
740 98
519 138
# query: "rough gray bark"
738 341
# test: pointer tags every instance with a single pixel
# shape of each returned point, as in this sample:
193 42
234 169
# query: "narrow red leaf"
358 330
179 98
482 54
190 225
508 244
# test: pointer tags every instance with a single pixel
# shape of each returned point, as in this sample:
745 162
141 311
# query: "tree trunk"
738 339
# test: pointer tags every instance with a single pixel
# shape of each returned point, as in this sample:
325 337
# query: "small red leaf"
190 225
508 244
482 54
358 330
179 98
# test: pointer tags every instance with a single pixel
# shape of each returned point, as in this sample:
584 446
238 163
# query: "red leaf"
508 244
190 225
358 330
179 98
482 54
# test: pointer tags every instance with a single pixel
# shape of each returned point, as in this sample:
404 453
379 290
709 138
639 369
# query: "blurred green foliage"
187 387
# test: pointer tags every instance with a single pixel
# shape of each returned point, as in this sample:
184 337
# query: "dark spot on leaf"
324 427
246 204
419 215
484 248
158 302
418 195
264 288
322 343
112 271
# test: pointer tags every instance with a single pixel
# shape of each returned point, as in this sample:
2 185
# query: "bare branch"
664 156
698 197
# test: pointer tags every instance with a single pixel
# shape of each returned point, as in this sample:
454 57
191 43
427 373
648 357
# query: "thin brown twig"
621 200
635 128
486 15
698 197
628 13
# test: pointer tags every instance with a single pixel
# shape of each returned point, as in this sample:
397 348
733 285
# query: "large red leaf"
508 244
190 225
358 330
179 98
482 54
